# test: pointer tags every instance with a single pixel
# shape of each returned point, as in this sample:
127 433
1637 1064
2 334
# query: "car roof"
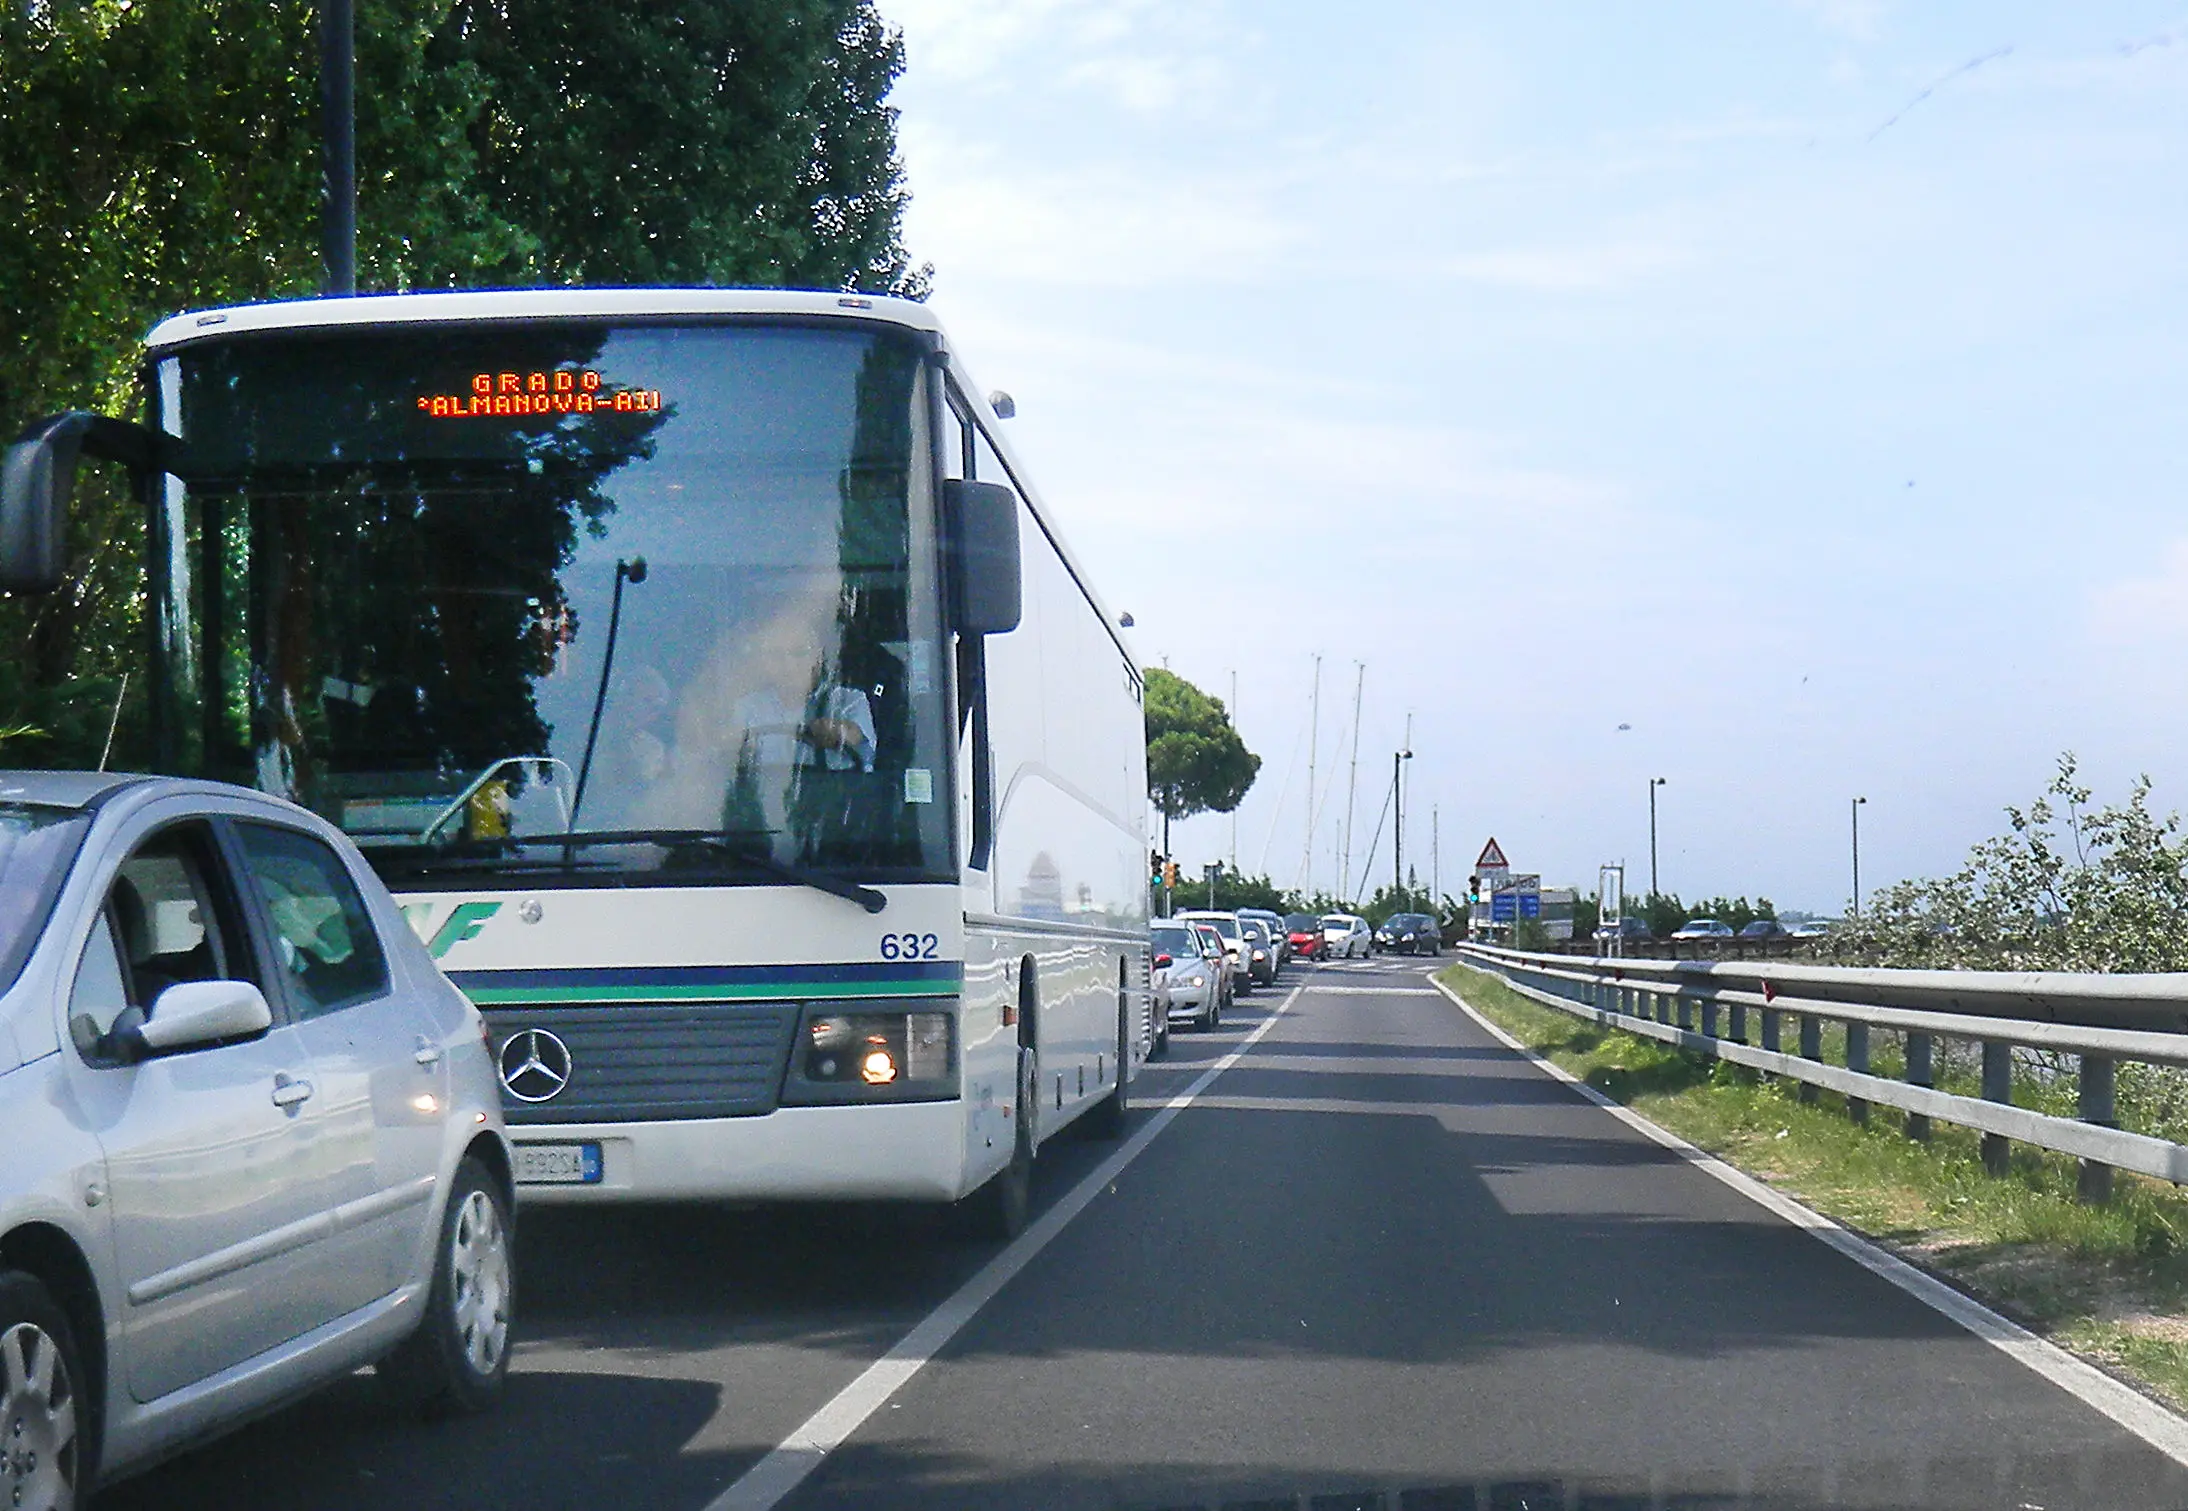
64 789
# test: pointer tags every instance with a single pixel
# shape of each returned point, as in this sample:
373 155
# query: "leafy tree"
164 156
2067 888
1196 763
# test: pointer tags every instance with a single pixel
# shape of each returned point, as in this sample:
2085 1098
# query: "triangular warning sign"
1492 858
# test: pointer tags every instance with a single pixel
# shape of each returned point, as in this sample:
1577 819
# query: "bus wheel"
1106 1121
996 1213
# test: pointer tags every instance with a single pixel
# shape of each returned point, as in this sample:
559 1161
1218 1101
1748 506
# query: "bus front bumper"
912 1151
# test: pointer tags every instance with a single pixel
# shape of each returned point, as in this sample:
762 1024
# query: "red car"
1308 940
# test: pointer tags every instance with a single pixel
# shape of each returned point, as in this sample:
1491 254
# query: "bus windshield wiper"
732 843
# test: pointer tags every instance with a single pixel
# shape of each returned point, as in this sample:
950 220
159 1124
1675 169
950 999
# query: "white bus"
703 675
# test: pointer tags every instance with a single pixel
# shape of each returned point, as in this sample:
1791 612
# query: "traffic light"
1473 891
1170 873
1154 868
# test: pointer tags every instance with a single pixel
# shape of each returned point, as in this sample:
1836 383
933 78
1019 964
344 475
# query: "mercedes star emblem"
535 1065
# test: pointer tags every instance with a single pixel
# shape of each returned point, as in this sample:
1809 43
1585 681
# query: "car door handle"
428 1053
288 1091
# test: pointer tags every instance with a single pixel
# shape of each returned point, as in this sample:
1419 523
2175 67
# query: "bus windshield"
668 592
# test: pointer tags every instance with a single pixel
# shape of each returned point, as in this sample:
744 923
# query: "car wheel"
1107 1119
458 1358
46 1420
996 1213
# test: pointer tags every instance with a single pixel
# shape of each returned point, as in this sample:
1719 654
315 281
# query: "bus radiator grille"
647 1062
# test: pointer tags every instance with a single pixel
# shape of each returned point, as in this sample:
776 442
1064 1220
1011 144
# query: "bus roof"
533 304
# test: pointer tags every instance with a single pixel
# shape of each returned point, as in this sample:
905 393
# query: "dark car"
1409 934
1764 928
1625 928
1308 942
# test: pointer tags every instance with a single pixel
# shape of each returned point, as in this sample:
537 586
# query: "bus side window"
987 467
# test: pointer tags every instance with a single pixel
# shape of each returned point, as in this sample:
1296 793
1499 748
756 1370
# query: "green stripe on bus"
758 992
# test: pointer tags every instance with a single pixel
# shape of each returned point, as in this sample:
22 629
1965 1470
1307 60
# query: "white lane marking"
1373 991
2123 1404
786 1466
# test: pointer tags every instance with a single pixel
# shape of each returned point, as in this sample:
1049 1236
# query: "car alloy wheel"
41 1410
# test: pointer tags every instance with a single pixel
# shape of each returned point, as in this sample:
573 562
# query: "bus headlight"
868 1056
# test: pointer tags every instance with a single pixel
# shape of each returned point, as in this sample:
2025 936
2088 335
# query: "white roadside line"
2124 1405
786 1466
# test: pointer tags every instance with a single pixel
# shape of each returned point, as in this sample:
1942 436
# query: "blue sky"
1799 384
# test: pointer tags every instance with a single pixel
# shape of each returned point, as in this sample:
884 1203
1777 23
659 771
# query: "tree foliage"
1196 762
166 156
2066 888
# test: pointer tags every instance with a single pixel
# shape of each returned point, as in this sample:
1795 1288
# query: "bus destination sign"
561 391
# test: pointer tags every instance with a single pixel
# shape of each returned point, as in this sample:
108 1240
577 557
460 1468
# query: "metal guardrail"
2100 1019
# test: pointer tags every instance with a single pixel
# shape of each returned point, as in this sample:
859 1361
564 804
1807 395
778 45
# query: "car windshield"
1299 923
1172 942
36 846
1336 923
674 584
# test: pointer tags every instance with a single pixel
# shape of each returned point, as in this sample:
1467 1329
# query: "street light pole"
1397 849
337 88
1654 783
1855 809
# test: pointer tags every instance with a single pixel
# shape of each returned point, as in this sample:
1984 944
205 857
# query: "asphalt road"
1379 1262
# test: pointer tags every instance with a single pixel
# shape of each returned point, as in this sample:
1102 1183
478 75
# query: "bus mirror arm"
37 477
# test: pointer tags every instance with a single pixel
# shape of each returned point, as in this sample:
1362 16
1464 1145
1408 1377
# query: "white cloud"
1593 269
2145 611
1856 20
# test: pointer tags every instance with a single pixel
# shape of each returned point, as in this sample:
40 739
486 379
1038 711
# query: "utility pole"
1855 808
338 127
1654 783
1352 782
1435 857
1314 730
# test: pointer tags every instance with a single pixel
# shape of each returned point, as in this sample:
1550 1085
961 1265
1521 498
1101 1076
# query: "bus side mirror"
986 592
36 477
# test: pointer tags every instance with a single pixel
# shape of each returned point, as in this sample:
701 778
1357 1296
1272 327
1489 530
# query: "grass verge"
2109 1283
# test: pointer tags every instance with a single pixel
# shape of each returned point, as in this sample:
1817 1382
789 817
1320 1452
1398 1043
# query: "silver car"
253 1137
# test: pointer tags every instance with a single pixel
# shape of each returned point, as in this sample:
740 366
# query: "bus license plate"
557 1164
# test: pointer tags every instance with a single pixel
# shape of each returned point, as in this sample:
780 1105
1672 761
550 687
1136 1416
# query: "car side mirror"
1163 962
981 525
196 1015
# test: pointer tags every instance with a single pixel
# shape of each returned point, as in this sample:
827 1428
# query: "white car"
1234 944
1188 984
1703 928
1348 935
253 1139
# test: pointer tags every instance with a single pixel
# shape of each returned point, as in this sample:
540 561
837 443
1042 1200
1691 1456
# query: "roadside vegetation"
2110 1283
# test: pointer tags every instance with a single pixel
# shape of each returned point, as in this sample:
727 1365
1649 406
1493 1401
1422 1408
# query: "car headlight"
868 1056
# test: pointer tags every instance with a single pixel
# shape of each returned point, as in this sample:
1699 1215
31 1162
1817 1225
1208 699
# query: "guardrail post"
1709 1017
1686 1013
1770 1030
2093 1182
1857 1059
1919 1073
1997 1087
1663 1006
1811 1049
1738 1015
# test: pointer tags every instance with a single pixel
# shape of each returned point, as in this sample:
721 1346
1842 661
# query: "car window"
1172 942
328 955
36 846
100 994
166 916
